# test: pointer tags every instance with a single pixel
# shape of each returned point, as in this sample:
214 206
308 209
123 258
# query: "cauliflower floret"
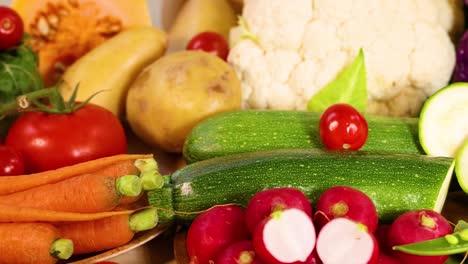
293 49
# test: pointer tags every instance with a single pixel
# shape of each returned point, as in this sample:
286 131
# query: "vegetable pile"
321 179
84 208
284 54
279 225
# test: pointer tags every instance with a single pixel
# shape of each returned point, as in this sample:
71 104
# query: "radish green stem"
276 214
62 248
143 220
129 185
428 221
245 257
339 209
362 227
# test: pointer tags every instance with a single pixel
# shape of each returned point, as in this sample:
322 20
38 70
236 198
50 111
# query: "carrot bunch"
77 209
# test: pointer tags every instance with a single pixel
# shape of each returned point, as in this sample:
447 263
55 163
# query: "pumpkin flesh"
61 31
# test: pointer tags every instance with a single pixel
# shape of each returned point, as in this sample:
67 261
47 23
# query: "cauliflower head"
285 51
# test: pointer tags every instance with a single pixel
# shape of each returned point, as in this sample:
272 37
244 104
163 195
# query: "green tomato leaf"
438 246
18 73
349 87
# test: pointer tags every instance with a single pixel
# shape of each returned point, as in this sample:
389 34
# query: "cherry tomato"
11 28
50 141
343 127
11 161
210 42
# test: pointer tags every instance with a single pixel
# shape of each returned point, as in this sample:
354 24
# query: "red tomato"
343 127
51 141
210 42
11 162
11 28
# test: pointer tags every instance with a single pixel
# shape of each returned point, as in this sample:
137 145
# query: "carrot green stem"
129 185
151 180
143 220
62 248
146 164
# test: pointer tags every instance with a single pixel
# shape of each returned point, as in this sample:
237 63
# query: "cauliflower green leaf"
350 87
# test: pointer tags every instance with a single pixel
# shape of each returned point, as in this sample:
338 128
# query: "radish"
313 258
381 234
386 259
342 240
241 252
415 226
348 202
214 230
263 203
286 236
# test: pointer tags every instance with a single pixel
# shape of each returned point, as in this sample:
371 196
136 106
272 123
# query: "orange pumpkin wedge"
61 31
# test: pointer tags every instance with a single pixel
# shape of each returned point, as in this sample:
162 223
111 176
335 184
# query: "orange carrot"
129 200
13 213
24 243
107 233
11 184
86 193
118 169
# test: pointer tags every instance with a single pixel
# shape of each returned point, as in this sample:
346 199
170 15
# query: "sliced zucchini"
461 166
443 122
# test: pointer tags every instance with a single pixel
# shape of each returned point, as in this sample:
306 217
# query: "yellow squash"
61 31
112 66
197 16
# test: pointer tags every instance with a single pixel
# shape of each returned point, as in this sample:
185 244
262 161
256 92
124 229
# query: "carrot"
107 233
129 200
11 184
86 193
126 167
24 243
13 213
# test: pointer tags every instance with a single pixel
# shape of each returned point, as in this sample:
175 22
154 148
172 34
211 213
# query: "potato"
176 92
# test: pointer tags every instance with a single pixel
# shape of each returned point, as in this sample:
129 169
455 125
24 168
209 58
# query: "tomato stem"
33 101
26 101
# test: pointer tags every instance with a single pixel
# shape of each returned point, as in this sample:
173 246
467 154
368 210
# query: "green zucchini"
255 130
395 182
